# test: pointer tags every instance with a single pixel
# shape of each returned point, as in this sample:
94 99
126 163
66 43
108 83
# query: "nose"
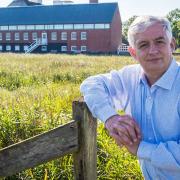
153 49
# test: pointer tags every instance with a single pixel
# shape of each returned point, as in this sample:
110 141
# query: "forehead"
151 33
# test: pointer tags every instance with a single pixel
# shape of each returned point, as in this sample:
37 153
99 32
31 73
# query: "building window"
39 27
8 36
78 26
30 27
16 36
63 48
54 36
49 27
83 48
34 36
83 35
68 26
0 36
12 27
4 28
73 48
64 36
99 26
1 47
88 26
58 26
106 26
17 48
73 35
26 47
21 27
25 36
8 48
44 48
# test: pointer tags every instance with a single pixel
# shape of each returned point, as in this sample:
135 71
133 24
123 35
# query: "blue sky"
128 8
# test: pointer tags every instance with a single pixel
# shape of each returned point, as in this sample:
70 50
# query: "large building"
25 3
66 28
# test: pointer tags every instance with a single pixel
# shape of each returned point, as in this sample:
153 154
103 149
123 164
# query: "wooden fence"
77 137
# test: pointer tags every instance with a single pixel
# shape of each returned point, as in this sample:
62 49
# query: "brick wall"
116 31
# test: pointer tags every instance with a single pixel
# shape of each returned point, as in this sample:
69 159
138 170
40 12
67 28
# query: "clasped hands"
125 131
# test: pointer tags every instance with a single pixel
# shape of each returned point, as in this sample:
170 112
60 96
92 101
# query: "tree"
174 17
125 28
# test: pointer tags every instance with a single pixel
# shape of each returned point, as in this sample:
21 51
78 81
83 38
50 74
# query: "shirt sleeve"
164 155
101 93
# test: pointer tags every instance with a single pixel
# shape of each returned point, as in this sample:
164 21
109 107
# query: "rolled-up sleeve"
164 155
97 97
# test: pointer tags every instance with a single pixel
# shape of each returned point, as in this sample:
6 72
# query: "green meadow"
36 94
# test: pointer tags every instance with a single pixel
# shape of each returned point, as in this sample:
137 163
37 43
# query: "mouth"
153 59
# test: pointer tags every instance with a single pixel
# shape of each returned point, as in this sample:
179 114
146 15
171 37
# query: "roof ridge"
51 5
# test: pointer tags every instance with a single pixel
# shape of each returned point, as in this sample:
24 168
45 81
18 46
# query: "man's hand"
125 131
133 148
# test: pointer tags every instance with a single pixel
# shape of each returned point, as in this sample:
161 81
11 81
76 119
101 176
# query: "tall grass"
36 92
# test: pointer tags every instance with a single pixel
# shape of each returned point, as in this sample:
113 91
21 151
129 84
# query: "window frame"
54 36
25 36
64 36
8 36
83 37
16 36
62 50
73 36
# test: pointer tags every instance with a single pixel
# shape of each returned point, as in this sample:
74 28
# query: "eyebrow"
160 38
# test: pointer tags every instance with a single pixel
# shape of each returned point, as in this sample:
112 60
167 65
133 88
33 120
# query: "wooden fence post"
85 159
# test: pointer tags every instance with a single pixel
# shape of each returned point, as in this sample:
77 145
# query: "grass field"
36 93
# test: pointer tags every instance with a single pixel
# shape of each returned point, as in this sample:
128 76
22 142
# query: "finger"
123 139
119 143
121 128
131 122
137 129
129 131
132 133
138 132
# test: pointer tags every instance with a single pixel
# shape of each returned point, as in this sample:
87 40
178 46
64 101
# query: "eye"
143 45
160 41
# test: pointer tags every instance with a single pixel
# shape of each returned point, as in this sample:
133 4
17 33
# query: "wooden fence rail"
77 137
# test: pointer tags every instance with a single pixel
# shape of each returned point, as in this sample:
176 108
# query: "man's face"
153 50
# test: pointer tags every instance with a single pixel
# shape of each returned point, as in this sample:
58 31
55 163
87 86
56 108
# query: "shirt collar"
167 79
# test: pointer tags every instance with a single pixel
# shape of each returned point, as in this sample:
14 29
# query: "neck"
153 77
151 80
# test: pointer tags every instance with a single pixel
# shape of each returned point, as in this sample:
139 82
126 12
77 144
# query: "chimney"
93 1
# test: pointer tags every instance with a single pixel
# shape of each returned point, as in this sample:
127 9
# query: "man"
149 93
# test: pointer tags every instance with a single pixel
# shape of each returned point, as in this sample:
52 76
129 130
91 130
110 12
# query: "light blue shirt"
156 109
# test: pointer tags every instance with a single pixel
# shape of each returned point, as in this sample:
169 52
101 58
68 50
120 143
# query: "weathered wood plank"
39 149
85 160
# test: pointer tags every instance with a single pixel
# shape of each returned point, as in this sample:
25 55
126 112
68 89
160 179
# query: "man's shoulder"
131 70
128 73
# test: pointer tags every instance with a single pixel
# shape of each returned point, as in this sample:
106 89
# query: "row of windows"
54 26
43 48
54 36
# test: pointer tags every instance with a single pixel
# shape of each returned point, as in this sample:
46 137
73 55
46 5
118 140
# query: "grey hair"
141 23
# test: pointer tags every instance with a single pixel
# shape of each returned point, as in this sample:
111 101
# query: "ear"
132 52
173 44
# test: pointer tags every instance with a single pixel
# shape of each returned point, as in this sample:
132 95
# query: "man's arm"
165 155
99 92
97 95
